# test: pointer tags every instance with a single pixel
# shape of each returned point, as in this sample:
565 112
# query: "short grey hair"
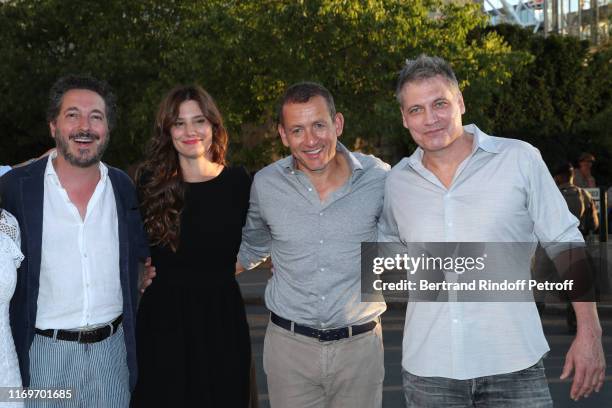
424 67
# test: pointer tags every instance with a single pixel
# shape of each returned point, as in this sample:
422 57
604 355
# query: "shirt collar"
288 163
50 170
481 141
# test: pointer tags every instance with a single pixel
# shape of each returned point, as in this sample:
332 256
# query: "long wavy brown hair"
159 177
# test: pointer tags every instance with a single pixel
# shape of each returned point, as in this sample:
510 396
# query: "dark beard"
77 161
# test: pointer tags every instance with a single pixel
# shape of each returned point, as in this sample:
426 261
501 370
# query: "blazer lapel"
122 227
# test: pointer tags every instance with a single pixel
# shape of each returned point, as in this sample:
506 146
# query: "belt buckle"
320 334
329 335
85 336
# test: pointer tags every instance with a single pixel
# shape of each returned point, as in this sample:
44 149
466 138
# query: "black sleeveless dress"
192 335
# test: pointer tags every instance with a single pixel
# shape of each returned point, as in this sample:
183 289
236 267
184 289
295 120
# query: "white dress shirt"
79 273
502 192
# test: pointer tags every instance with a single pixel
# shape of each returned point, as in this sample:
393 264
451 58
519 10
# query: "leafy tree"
245 53
42 40
560 100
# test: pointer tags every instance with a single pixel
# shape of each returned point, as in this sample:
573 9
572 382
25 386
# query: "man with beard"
73 310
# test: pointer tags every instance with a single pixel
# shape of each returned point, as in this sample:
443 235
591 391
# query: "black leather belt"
85 336
323 335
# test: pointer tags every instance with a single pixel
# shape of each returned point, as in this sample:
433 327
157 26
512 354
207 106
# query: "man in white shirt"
74 306
477 353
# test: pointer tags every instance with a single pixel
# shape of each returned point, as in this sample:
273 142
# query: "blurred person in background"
582 176
582 206
579 201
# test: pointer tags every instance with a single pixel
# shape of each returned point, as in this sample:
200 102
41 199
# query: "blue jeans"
524 388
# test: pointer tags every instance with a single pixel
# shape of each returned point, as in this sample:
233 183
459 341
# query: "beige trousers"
303 372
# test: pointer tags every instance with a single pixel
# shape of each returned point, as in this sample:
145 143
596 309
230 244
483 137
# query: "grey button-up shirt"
502 192
315 246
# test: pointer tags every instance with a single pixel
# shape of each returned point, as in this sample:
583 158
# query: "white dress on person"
10 259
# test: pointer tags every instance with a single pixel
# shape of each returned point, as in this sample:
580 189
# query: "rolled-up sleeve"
256 236
387 229
554 224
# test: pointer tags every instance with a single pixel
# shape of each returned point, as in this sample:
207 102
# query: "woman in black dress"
192 335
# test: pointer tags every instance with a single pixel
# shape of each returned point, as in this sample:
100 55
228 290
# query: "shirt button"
455 321
309 189
292 172
322 297
450 224
321 214
322 269
321 241
84 255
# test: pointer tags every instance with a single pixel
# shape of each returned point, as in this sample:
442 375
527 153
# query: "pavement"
253 283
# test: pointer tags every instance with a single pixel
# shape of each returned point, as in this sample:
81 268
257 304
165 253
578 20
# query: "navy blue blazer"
22 192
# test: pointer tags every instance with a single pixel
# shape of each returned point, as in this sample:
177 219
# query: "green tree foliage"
559 101
245 53
42 40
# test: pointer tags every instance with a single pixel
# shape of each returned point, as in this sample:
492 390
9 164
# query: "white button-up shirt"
79 273
502 192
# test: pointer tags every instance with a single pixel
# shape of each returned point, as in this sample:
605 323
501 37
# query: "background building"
585 19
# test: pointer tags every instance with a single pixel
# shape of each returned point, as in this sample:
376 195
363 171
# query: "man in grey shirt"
310 212
462 185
